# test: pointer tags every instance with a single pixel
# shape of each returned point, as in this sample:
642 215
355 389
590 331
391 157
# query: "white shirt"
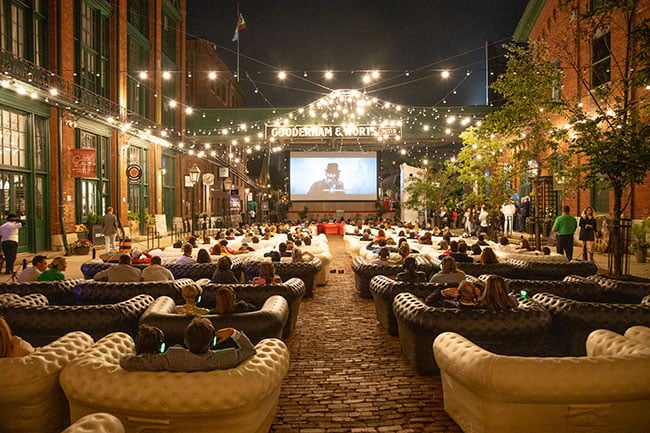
482 218
9 230
156 273
185 260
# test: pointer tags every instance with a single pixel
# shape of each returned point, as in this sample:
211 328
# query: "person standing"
565 226
109 229
483 220
9 234
587 234
508 210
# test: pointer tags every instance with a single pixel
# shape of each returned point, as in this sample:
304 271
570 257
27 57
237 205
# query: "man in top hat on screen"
331 184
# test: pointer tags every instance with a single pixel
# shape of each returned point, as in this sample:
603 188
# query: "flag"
241 25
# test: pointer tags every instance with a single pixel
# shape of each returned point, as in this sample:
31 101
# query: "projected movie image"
323 176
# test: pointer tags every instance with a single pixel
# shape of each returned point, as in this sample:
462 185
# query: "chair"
31 400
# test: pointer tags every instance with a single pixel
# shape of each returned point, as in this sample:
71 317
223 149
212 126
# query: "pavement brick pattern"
347 374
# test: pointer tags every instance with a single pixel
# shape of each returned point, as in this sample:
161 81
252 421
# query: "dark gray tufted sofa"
384 290
267 322
363 272
293 290
306 271
574 320
57 292
521 331
41 323
89 292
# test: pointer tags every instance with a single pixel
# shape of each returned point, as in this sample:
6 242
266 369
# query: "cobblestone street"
347 374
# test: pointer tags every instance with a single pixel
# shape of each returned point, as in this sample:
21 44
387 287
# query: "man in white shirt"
186 258
122 272
483 220
31 273
156 272
9 234
508 211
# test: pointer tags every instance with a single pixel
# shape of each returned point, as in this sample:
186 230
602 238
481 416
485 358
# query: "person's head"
462 247
191 293
109 209
495 294
255 240
307 240
199 335
488 256
282 247
453 246
448 265
124 259
444 245
566 209
525 245
276 256
187 249
332 172
468 292
481 237
60 263
224 263
588 212
223 243
149 340
156 260
5 338
267 271
404 249
476 250
504 241
546 251
225 300
383 253
215 250
39 262
290 245
12 217
410 265
203 256
296 255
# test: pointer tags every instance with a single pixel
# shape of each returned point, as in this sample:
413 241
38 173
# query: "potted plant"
640 245
81 230
82 246
134 223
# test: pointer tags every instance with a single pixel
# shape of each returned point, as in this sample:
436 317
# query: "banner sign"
235 204
84 163
134 173
332 131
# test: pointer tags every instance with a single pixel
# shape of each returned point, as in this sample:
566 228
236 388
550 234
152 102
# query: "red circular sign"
134 172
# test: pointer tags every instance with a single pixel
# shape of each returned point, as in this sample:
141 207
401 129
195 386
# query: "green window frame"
92 48
601 57
137 91
93 194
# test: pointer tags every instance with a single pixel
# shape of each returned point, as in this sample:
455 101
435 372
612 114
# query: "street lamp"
227 185
195 174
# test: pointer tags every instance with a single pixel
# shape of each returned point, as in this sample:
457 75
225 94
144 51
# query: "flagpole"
237 42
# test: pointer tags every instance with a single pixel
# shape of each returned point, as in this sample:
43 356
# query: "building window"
601 56
14 139
138 92
40 143
169 37
94 191
169 92
139 16
92 55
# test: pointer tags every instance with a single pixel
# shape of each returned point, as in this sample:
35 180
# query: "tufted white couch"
31 400
242 399
96 423
606 391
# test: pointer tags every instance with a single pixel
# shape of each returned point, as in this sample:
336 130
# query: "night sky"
351 37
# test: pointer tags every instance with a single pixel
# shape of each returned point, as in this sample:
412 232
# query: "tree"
609 127
431 189
523 128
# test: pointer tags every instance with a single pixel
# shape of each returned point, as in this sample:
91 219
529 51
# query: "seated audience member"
122 272
12 346
448 273
425 239
225 248
307 240
282 247
202 256
525 245
458 254
466 295
191 293
244 249
481 240
255 240
546 251
156 272
186 258
382 257
224 273
411 272
267 275
191 240
199 337
55 270
227 302
443 246
31 273
297 255
488 257
381 234
495 294
476 250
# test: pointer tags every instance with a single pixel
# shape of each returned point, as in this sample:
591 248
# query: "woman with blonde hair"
495 295
297 255
488 257
192 295
448 272
55 271
12 346
227 302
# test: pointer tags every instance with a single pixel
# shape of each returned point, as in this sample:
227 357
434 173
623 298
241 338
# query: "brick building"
93 111
588 62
